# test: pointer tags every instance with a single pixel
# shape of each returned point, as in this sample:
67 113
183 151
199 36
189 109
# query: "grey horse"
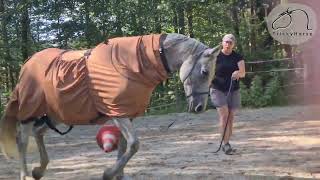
195 63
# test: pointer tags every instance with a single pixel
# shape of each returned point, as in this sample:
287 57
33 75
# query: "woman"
224 92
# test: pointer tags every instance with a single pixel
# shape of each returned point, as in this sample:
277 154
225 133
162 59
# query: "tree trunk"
25 29
253 36
189 10
7 86
140 18
175 17
105 19
87 23
180 13
118 23
157 17
269 5
7 56
236 24
11 75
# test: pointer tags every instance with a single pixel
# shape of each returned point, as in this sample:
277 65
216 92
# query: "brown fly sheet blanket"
115 80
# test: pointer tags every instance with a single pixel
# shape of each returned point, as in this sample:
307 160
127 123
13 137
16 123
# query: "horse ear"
212 51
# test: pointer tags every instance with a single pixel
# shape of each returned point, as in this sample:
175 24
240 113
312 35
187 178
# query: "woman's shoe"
227 149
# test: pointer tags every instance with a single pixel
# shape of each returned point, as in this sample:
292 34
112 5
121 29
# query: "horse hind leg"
122 146
129 134
38 133
22 144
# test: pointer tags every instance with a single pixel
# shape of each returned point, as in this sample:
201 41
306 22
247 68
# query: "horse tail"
8 133
8 127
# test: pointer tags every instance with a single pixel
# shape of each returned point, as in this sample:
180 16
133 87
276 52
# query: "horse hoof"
37 173
107 175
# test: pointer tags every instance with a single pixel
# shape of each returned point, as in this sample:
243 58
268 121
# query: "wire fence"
276 70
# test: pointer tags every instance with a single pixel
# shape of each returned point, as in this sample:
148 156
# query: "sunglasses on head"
229 42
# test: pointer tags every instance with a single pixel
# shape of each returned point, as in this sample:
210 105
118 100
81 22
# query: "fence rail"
275 70
268 61
160 106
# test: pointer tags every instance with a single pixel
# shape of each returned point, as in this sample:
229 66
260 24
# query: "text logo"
292 23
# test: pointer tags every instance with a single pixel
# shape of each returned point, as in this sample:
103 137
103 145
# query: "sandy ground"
272 143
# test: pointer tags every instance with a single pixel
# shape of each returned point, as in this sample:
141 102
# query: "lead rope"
225 128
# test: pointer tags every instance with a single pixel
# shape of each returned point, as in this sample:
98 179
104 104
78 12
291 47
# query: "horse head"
283 20
196 65
196 73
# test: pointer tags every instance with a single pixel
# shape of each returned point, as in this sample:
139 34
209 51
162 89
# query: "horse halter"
189 76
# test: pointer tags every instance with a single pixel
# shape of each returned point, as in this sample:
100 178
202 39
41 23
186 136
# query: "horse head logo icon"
288 16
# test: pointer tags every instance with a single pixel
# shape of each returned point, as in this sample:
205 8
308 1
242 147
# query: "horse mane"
187 44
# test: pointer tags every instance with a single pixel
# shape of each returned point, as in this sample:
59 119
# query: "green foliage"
258 95
259 55
1 110
274 94
168 97
245 95
256 92
3 96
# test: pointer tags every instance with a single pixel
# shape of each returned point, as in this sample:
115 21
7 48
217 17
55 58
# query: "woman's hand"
235 75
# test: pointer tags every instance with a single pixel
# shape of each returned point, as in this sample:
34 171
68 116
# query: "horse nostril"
198 108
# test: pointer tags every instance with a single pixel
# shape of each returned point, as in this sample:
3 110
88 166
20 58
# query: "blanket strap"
53 127
46 119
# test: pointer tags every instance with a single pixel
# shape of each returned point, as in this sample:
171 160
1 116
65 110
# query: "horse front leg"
22 144
130 136
38 132
122 146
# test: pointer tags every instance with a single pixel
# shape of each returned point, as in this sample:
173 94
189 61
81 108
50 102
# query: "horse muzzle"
197 101
198 108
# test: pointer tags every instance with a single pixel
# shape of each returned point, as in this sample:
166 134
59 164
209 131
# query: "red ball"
108 138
